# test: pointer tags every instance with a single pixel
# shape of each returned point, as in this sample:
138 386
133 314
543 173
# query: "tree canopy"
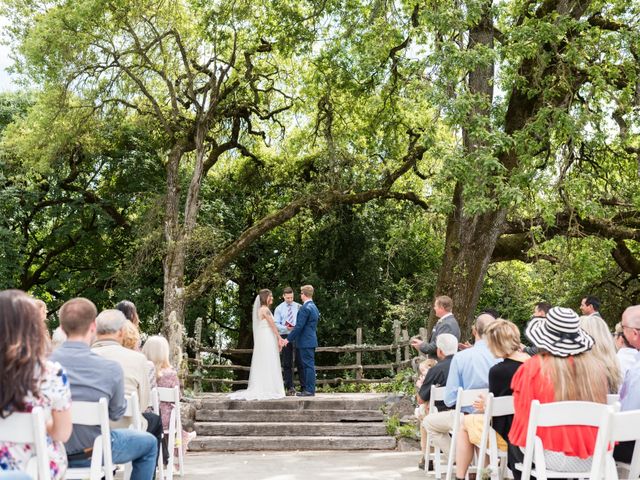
185 154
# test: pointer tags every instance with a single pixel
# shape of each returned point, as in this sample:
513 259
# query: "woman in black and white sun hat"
559 333
565 368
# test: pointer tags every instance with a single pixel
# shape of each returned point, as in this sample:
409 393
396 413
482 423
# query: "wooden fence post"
424 334
407 348
359 354
197 382
396 341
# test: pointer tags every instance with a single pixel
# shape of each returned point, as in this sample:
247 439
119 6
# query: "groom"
304 334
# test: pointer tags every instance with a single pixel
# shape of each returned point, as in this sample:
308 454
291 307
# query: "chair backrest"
494 407
29 428
499 406
612 398
96 414
436 395
133 411
569 413
171 395
466 398
620 427
556 414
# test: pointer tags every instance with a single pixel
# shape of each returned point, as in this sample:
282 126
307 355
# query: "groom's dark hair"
287 290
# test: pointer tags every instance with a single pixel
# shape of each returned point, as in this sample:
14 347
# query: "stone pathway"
301 465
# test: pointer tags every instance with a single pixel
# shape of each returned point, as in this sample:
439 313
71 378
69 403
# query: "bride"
265 377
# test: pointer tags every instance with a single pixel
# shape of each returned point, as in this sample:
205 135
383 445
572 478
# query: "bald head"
482 322
631 316
631 325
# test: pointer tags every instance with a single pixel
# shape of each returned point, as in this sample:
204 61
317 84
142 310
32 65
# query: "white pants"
439 425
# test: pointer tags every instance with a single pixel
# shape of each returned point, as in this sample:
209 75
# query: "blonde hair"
156 349
307 290
131 338
578 377
604 349
502 337
426 364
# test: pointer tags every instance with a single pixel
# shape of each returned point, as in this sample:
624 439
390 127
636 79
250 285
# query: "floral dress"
54 395
168 378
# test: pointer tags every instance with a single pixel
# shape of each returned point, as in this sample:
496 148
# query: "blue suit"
304 334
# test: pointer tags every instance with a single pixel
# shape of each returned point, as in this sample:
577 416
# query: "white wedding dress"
265 377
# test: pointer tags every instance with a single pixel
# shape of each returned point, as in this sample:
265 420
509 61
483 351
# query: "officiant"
285 319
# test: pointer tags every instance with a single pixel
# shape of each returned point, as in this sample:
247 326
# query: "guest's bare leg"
464 452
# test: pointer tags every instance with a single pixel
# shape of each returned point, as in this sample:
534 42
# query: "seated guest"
93 377
130 311
110 329
626 353
447 346
28 380
156 349
131 340
540 310
503 340
58 338
563 369
604 348
469 369
630 390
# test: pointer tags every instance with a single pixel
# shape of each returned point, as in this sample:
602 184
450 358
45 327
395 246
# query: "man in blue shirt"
285 319
630 390
92 377
470 370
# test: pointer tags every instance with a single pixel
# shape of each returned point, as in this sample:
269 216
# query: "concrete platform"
299 465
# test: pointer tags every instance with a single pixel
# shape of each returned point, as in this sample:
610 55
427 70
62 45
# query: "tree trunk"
177 236
174 261
469 245
470 239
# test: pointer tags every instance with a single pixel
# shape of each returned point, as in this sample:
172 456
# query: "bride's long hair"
264 296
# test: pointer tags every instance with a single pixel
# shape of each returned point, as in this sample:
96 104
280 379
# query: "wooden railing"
216 360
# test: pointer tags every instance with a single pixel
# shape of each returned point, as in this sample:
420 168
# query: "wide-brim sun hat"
559 333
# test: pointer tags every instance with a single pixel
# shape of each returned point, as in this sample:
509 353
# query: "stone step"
289 416
328 429
293 403
224 443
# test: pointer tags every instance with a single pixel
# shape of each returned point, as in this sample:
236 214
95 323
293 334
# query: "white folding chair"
94 414
432 452
155 403
621 427
465 398
174 433
133 413
494 407
553 415
29 428
612 398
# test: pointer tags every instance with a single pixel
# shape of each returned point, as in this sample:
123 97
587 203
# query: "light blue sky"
6 82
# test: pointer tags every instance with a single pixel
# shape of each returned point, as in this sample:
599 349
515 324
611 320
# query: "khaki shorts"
473 425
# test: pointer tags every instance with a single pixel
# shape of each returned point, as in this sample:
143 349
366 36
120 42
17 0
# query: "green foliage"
328 97
397 429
